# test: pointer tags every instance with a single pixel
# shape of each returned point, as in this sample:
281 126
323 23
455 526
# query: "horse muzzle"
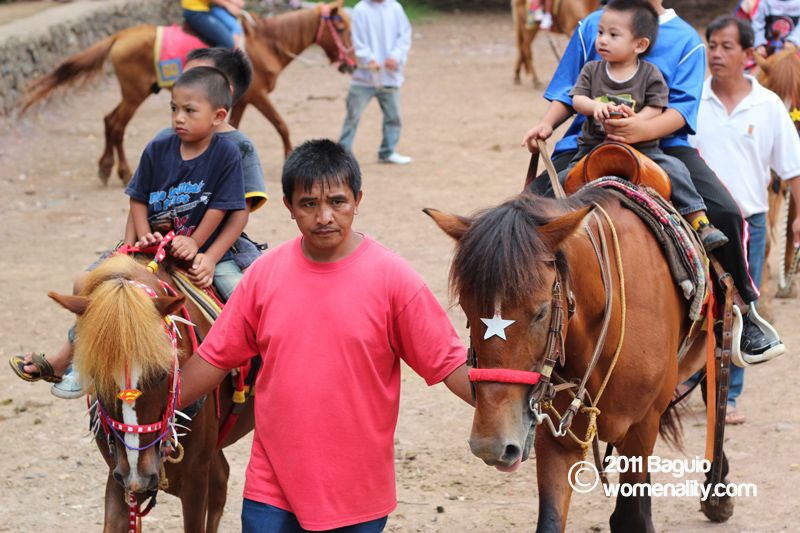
138 484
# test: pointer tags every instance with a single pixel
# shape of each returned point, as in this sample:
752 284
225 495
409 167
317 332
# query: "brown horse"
780 73
565 19
272 44
131 351
535 265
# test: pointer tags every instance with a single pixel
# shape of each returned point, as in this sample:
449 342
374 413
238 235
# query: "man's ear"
359 196
288 205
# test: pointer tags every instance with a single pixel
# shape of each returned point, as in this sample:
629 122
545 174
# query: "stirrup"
744 360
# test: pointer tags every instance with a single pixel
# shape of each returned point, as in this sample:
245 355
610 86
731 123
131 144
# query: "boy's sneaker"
69 387
756 345
547 22
711 237
395 159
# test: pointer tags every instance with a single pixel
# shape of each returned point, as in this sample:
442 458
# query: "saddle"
618 159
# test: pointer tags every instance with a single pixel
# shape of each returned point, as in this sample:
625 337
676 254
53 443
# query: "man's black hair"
644 21
233 63
320 161
212 82
746 35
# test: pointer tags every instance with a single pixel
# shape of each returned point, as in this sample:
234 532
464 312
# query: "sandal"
733 417
44 371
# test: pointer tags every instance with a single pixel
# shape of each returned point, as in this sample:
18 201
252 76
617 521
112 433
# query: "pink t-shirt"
331 336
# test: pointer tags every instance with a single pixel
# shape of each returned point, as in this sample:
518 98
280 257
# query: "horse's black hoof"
719 512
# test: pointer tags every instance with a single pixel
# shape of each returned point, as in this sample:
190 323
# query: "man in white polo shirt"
743 131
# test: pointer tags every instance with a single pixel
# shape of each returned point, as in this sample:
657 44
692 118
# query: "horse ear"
453 225
76 304
168 305
554 233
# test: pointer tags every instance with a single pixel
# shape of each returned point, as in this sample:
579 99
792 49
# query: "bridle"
543 390
326 20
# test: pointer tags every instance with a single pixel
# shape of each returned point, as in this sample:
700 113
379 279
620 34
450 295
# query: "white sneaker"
69 387
395 159
547 22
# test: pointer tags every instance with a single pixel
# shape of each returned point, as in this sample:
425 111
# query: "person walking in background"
381 38
743 131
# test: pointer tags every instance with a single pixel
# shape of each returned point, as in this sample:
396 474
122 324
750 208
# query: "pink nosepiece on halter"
504 375
326 21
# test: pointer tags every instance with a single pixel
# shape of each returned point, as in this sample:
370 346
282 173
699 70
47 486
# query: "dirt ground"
463 120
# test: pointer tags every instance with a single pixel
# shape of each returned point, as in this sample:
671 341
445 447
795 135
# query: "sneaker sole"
67 394
769 354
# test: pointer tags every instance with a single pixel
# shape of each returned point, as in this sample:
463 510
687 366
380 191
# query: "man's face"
324 216
726 57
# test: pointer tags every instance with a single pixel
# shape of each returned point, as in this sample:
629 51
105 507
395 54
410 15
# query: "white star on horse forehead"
496 326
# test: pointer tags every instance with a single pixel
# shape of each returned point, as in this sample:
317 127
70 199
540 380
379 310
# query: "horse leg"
553 463
125 112
719 509
263 104
194 498
633 513
116 510
217 491
106 161
530 35
236 113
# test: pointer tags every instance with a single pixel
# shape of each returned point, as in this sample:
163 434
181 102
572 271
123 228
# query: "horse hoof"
103 174
720 512
125 176
787 292
517 81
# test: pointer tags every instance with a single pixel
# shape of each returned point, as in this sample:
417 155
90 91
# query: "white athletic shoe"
70 386
395 159
547 22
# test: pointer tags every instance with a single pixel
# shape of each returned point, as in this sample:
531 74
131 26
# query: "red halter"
326 21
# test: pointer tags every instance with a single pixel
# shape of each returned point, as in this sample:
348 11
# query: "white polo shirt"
742 147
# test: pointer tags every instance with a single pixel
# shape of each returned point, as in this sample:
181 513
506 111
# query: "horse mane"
290 31
121 329
496 259
781 75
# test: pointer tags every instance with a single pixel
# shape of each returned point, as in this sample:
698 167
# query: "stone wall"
32 46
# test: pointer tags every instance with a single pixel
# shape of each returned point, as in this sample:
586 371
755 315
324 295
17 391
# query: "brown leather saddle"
618 159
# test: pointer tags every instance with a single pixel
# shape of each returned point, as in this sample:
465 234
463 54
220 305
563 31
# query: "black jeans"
722 211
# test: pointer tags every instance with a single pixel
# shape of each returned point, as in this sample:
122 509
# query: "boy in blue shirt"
679 55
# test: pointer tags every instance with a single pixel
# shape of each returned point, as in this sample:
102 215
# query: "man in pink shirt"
332 313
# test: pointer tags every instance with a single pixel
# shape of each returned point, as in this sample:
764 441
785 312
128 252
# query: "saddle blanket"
170 51
685 254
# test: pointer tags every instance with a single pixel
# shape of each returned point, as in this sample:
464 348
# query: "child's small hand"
149 239
202 271
625 110
603 111
183 247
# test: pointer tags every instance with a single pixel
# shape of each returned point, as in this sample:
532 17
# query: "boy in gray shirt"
622 84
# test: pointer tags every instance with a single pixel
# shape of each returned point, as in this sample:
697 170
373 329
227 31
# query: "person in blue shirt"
680 55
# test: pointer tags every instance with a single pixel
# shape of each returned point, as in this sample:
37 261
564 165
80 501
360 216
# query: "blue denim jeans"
260 517
209 28
227 275
231 22
357 99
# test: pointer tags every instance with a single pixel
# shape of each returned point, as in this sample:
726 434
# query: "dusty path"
463 121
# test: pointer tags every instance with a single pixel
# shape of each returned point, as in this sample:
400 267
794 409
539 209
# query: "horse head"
780 73
508 274
126 350
334 36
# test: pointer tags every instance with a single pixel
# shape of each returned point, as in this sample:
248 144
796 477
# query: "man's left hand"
632 129
202 271
391 64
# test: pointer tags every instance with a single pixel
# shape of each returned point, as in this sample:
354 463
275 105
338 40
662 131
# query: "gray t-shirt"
254 187
645 88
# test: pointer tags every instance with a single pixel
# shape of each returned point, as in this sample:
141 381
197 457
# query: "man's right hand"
541 131
373 65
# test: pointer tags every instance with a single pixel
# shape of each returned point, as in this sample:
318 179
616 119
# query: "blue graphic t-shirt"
678 53
178 192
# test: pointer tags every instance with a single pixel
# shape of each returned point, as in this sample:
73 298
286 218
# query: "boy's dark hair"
212 81
233 63
645 18
746 35
320 161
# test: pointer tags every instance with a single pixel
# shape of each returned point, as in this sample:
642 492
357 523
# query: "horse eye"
541 314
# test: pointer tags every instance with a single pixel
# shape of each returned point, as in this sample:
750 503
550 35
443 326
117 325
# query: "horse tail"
80 66
671 428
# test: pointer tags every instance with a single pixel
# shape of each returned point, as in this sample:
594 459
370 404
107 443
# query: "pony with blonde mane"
567 14
129 350
272 44
780 73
